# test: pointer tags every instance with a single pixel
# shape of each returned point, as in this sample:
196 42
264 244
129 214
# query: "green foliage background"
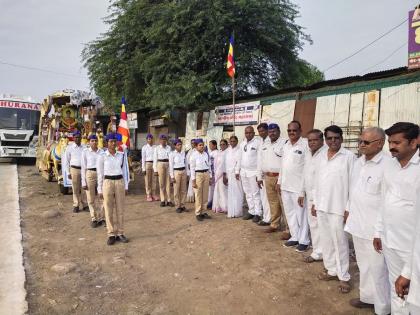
172 54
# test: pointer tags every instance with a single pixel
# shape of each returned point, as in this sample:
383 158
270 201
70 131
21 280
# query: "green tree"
166 54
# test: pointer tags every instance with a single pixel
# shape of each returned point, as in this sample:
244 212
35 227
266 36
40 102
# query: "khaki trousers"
79 197
150 180
180 188
164 181
202 181
274 200
92 200
114 197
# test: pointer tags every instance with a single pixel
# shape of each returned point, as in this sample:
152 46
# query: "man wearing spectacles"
290 181
246 171
364 204
331 196
396 226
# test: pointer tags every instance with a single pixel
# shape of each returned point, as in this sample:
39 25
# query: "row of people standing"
99 180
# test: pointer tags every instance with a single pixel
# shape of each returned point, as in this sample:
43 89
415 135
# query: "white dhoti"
265 205
235 196
395 260
314 229
296 216
374 281
334 244
414 309
252 194
220 196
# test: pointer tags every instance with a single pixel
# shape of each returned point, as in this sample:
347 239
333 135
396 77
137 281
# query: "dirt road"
172 265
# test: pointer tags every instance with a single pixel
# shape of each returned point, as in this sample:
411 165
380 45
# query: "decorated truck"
19 119
62 113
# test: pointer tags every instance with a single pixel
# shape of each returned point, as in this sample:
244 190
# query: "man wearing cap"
113 178
190 191
74 166
269 165
161 169
200 175
290 180
246 171
178 175
147 152
89 179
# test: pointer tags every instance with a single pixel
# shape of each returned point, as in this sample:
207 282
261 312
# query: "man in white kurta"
290 181
235 191
364 204
246 172
266 215
317 148
331 196
395 229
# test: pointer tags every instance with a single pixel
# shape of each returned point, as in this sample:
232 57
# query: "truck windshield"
20 119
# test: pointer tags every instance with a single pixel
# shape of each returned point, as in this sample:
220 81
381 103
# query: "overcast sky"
51 36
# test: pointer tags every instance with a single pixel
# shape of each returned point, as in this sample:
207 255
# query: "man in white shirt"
89 180
290 181
316 146
362 212
147 152
395 228
161 169
113 178
269 166
266 216
331 196
200 176
246 172
74 166
178 175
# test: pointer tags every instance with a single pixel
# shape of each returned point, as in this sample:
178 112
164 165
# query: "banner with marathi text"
414 39
245 114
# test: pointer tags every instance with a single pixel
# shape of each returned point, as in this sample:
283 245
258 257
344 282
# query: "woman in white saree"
220 196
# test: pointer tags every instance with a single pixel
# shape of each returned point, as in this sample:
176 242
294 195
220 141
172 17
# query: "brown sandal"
326 277
344 287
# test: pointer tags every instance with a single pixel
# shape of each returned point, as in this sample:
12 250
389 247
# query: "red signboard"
21 105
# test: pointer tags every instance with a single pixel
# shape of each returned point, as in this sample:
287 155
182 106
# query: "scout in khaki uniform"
112 170
200 175
74 167
178 175
147 152
161 169
89 180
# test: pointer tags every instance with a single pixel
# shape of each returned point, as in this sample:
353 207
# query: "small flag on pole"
230 61
123 131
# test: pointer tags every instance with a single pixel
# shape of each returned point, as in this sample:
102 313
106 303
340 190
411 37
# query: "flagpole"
233 102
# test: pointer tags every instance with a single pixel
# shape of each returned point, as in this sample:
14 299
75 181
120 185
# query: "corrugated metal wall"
371 109
281 113
324 113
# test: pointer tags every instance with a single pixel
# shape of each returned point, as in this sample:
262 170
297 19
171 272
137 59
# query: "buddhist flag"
230 61
122 131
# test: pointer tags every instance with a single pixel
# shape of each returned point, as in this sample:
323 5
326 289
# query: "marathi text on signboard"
414 39
21 105
245 114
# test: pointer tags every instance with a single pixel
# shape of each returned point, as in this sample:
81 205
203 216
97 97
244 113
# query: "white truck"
19 124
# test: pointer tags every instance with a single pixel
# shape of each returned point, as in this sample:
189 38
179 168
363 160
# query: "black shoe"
248 216
184 209
94 224
301 248
76 209
178 210
290 244
102 222
170 204
256 219
86 209
111 240
262 223
163 204
199 217
206 216
122 239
